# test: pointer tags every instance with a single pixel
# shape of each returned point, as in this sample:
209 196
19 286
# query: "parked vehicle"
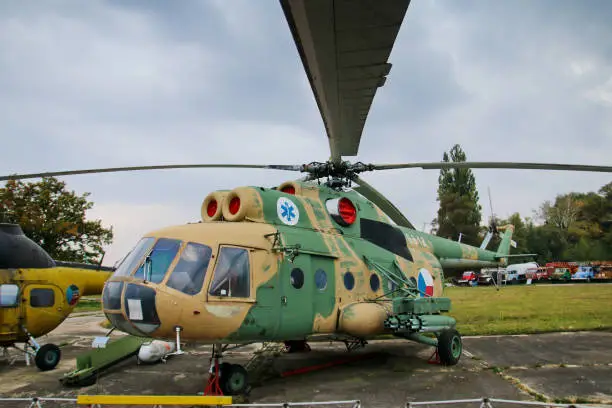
561 274
469 278
584 273
492 276
572 267
541 273
485 279
516 273
604 271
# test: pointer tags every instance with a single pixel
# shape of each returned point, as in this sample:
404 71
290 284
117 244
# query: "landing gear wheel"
234 379
450 347
47 357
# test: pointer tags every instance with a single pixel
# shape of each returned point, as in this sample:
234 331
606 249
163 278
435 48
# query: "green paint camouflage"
284 312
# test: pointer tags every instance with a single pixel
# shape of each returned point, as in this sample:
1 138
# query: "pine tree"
459 210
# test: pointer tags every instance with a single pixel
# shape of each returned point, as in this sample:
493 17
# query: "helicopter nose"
137 305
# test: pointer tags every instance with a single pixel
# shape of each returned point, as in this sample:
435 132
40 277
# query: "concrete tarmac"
563 367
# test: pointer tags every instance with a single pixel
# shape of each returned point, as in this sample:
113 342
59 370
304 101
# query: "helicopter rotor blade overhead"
495 165
288 167
382 202
344 47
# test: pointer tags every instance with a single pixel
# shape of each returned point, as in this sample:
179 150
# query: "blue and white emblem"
287 211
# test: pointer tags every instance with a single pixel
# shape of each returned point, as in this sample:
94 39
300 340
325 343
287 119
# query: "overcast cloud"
111 83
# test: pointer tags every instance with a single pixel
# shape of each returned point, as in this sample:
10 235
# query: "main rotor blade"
344 47
382 202
159 167
496 165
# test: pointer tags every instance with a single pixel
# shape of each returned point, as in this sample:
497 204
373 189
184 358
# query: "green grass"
89 304
531 309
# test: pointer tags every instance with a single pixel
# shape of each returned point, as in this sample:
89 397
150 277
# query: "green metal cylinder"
419 338
438 321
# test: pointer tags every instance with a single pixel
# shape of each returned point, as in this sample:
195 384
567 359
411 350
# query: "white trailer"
517 272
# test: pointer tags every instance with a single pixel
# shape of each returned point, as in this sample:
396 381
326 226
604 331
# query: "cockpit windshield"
131 260
159 260
232 273
188 274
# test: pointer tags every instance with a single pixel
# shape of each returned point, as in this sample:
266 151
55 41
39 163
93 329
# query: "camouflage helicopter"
323 256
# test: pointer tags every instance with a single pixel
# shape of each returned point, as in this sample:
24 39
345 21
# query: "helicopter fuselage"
39 299
276 264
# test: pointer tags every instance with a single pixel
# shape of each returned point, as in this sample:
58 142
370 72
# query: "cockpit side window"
161 256
188 274
135 256
9 295
232 277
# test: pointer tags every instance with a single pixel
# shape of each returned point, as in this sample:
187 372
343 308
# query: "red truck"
468 278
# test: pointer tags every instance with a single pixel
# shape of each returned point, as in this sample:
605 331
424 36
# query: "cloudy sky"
117 83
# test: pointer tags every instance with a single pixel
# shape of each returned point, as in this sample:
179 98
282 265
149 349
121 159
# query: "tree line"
575 226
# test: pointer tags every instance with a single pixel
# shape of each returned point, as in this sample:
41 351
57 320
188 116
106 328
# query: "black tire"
234 380
47 357
450 347
223 368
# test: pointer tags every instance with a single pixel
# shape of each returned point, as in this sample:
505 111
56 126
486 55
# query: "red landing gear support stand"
435 358
212 386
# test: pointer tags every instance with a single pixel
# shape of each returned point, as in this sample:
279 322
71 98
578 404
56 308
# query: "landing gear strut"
46 357
225 378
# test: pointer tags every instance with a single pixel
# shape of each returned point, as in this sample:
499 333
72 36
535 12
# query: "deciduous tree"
54 218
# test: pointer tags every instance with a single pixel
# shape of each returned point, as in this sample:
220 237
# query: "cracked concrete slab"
581 348
569 383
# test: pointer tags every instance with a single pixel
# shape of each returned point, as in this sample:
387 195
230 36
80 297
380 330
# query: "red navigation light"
211 210
347 211
234 205
288 190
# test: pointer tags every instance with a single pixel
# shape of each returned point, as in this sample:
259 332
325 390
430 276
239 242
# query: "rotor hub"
341 170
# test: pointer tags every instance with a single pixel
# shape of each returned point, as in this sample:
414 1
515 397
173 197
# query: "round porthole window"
349 281
374 282
390 285
297 278
320 278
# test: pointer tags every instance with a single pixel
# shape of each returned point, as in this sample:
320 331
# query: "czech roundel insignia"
72 295
287 211
425 283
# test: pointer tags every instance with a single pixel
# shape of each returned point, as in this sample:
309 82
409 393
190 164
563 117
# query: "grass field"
531 309
516 309
89 304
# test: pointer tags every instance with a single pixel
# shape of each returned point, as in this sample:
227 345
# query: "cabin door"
9 312
44 308
296 300
322 274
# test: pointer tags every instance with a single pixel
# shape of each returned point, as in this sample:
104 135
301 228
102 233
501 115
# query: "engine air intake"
212 206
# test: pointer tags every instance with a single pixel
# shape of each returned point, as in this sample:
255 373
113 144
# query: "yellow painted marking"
153 400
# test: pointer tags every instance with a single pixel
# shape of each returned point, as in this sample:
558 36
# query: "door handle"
283 300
